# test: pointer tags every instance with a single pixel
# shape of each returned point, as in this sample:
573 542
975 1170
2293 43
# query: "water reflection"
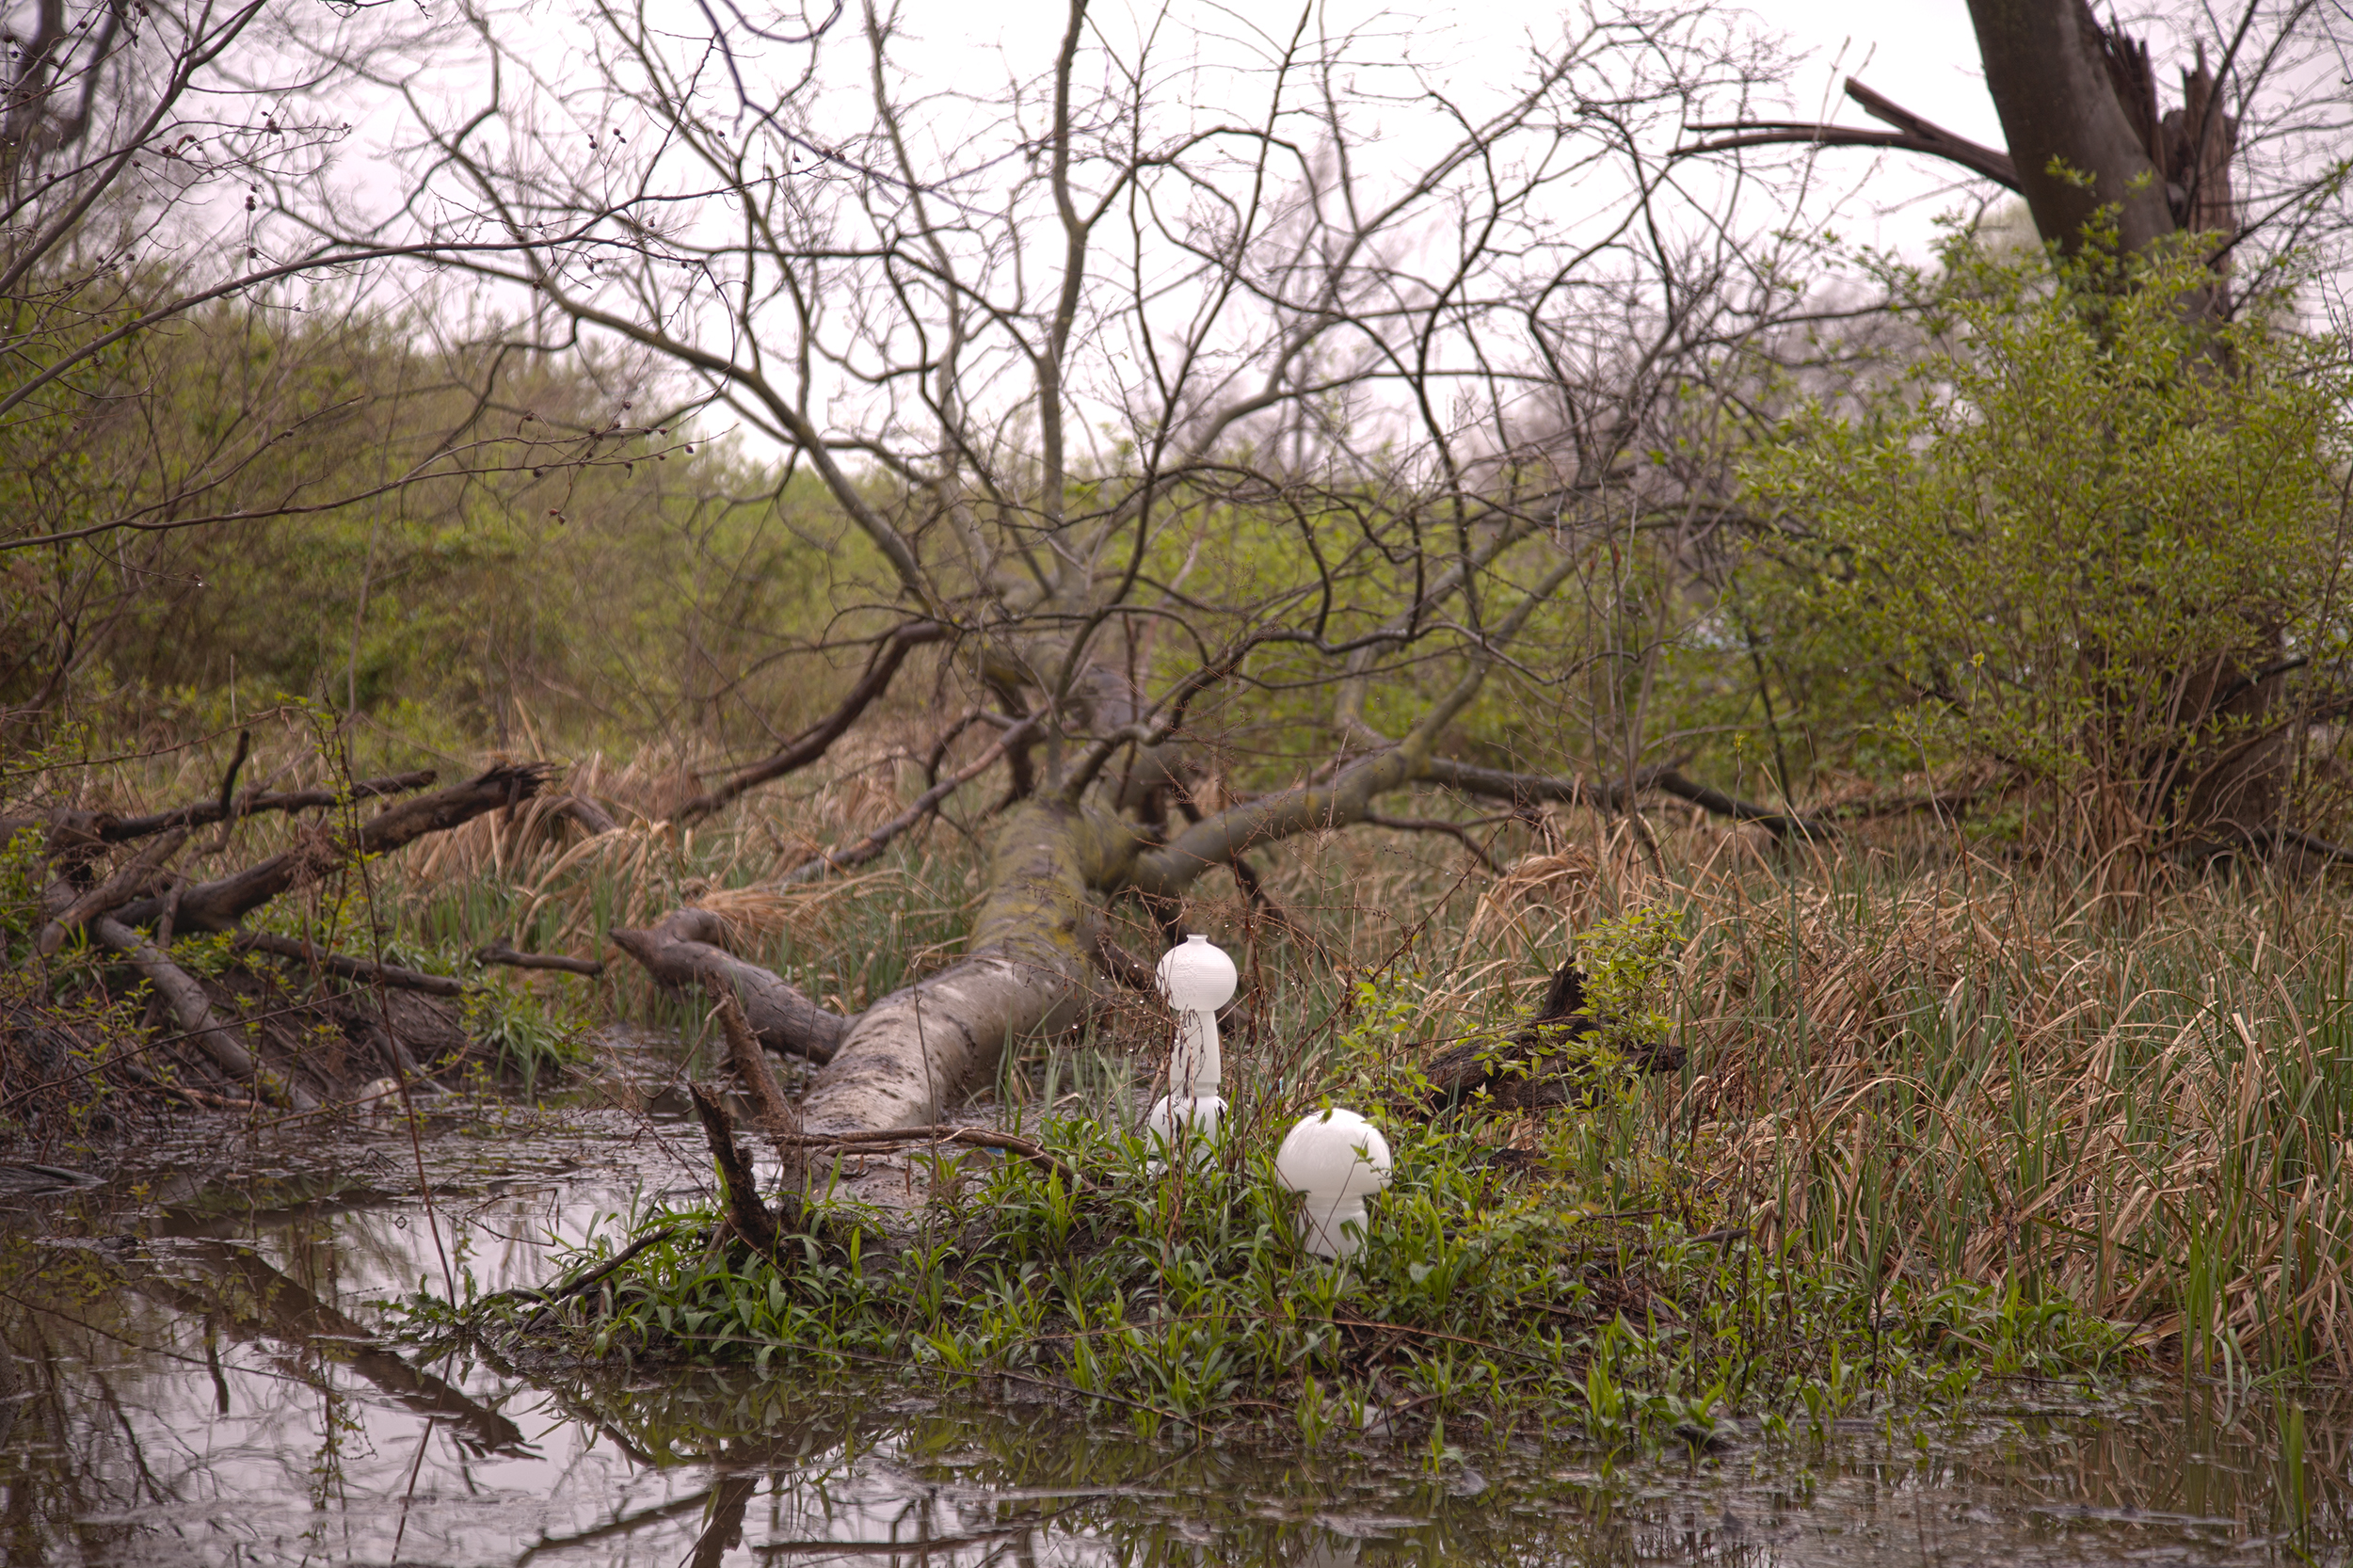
195 1382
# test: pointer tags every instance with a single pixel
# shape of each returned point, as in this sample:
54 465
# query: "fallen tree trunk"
191 1008
912 1055
926 1047
218 905
684 949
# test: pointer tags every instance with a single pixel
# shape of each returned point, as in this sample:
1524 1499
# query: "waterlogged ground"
196 1383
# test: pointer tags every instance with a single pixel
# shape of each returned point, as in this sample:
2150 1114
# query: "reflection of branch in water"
691 1503
578 1409
919 1546
283 1310
155 1489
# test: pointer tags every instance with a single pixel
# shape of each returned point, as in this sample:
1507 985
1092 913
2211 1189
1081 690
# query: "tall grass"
1914 1062
2142 1110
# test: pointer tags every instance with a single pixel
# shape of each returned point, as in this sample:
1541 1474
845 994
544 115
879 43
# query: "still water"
194 1381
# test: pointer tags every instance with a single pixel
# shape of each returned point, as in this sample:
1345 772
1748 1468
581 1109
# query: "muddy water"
195 1384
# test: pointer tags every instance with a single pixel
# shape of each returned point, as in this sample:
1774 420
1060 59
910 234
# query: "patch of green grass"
1184 1297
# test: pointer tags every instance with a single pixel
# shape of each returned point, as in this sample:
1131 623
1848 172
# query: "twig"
751 1064
349 968
811 744
553 1295
115 830
189 1005
976 1137
1436 824
227 791
503 951
875 843
129 881
739 1192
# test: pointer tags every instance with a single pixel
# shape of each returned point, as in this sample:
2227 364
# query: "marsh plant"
1552 1269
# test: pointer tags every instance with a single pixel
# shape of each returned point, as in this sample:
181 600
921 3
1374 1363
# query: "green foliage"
1628 963
386 540
1587 1298
2059 540
522 1036
23 871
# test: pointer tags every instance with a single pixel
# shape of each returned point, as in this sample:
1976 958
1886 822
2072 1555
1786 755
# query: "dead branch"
1781 824
129 881
1912 134
554 1294
229 790
107 828
503 951
1522 788
218 905
739 1193
191 1008
1436 824
343 968
684 949
875 843
811 744
1124 967
775 1111
1527 789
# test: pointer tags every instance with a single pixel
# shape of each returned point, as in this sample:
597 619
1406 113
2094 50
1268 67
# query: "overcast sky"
1920 52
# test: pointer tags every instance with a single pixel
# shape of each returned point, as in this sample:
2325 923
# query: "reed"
1914 1062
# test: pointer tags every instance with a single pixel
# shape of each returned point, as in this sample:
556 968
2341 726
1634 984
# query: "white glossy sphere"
1196 977
1337 1158
1333 1152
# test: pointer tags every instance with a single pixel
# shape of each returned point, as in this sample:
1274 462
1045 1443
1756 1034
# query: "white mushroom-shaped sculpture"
1339 1159
1197 979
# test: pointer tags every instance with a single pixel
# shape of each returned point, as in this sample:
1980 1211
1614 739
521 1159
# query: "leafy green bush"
2073 541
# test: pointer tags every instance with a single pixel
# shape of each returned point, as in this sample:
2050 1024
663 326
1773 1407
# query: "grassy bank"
1942 1119
1941 1116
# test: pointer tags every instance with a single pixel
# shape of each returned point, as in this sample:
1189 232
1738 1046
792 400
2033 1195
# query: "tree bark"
191 1007
919 1049
2048 67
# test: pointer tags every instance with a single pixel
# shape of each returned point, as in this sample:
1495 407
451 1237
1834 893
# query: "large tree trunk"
917 1051
2054 77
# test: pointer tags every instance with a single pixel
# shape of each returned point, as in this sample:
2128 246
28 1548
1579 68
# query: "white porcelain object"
1197 979
1339 1159
1193 1117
